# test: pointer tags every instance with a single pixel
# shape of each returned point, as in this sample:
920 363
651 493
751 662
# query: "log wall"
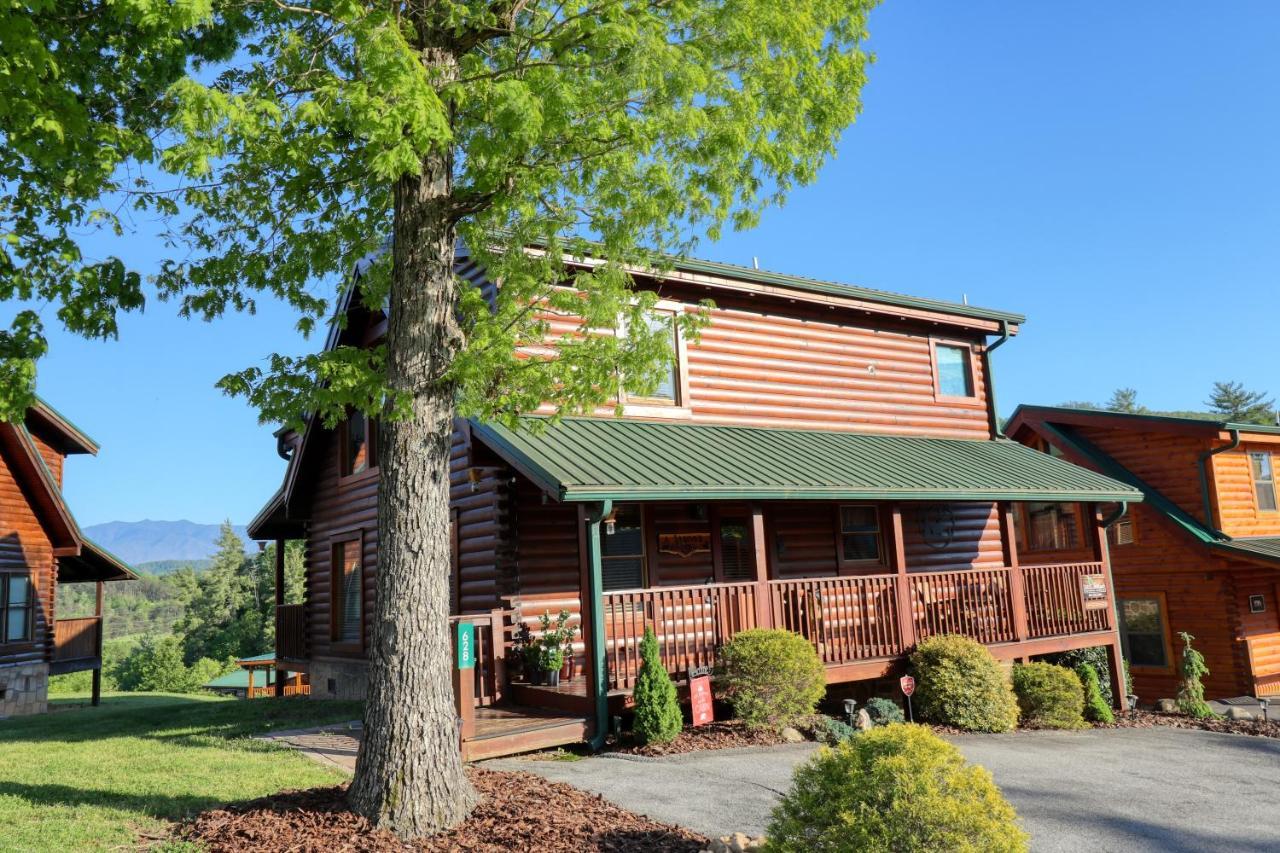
25 549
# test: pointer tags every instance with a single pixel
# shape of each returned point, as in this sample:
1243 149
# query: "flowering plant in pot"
554 645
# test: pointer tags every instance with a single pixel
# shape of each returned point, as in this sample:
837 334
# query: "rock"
1166 706
738 842
1240 714
790 735
756 844
719 845
863 722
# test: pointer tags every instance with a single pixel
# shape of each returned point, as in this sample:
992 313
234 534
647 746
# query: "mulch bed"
519 811
719 735
1147 720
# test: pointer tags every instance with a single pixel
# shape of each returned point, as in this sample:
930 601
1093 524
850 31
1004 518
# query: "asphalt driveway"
1118 790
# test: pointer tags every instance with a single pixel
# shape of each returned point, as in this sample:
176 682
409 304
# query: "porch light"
611 523
850 708
1132 699
1263 702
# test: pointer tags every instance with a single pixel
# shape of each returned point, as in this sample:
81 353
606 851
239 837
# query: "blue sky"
1110 170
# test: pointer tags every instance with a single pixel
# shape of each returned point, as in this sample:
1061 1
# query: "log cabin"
41 547
824 459
1202 552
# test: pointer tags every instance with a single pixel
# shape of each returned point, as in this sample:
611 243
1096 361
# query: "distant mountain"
149 541
164 567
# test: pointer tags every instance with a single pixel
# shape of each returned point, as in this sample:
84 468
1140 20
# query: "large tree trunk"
409 777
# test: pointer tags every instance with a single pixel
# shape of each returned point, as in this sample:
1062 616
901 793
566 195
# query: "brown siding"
1260 631
1236 502
1169 462
24 546
52 458
976 543
482 513
802 540
675 569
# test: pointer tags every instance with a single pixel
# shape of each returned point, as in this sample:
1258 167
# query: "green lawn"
100 778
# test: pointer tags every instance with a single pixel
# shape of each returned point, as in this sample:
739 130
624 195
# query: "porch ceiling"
591 459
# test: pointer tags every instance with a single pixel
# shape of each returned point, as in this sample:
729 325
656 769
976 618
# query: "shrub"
771 677
884 711
1190 690
1049 696
899 788
1096 709
1096 657
959 683
658 717
832 732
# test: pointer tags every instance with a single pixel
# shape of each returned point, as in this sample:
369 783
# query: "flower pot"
566 671
553 677
536 676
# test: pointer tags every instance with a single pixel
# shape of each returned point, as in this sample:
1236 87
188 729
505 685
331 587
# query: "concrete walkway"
1157 789
334 746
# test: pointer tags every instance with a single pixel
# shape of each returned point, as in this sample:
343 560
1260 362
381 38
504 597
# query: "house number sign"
466 645
1093 592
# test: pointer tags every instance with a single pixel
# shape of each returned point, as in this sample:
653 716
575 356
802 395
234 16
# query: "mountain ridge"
153 540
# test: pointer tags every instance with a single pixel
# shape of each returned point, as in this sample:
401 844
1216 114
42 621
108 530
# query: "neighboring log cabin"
40 548
1200 555
825 459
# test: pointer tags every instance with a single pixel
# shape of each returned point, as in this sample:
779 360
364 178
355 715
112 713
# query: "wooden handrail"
1055 600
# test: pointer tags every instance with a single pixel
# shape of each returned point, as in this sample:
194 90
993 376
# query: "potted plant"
554 644
525 647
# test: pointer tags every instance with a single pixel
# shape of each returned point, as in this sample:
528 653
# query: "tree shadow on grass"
165 806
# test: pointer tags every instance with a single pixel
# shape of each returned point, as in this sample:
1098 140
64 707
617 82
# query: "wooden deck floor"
509 729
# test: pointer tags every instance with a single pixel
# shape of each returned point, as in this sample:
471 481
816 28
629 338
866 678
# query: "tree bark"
409 776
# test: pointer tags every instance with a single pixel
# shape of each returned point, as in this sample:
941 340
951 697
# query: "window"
1264 486
668 391
1047 527
359 444
347 594
1122 532
622 549
1142 631
954 364
859 534
737 555
17 609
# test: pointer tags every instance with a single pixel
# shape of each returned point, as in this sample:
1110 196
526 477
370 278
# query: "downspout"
992 411
595 589
1204 476
1121 508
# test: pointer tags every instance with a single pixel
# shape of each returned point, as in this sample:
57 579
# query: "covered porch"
77 642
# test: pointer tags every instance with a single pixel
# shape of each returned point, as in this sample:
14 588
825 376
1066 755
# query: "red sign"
908 685
700 699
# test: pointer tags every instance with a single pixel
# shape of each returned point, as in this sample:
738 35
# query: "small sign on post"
1093 592
466 645
908 685
700 702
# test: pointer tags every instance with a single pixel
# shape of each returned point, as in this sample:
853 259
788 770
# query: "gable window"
1047 527
859 534
1264 486
359 437
622 549
668 391
17 609
346 594
1142 631
953 364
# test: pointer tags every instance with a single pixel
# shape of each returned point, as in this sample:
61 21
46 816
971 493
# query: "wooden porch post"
906 614
764 604
464 698
281 674
97 672
597 665
249 693
1102 555
1017 588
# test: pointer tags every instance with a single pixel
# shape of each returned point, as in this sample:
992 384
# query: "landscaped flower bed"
1147 719
519 811
718 735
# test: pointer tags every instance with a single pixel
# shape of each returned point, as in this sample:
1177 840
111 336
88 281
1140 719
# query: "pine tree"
1096 709
1236 403
1125 400
1191 690
658 718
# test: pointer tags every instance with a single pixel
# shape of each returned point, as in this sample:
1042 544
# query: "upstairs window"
953 364
17 609
1047 527
359 435
622 549
346 594
1264 486
859 534
667 393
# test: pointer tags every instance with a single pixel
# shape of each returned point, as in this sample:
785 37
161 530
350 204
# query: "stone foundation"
333 679
24 689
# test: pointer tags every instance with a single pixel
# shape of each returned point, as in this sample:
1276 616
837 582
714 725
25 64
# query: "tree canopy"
1236 403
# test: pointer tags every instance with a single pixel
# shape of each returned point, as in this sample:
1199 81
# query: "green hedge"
959 683
772 678
895 788
1049 697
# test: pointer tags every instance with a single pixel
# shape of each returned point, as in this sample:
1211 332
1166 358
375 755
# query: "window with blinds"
1047 527
622 549
347 594
737 556
1264 484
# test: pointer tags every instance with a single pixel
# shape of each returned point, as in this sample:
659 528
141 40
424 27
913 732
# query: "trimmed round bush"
772 678
959 683
898 787
658 718
1096 709
1049 697
884 711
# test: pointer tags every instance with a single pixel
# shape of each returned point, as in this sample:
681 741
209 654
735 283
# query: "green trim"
595 582
68 423
1046 413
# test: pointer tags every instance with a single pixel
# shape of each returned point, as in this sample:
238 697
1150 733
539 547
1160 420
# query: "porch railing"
1056 603
489 676
976 602
76 639
291 631
848 618
690 622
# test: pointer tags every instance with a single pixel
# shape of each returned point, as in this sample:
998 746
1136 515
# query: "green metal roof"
1265 547
238 679
591 459
1207 422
